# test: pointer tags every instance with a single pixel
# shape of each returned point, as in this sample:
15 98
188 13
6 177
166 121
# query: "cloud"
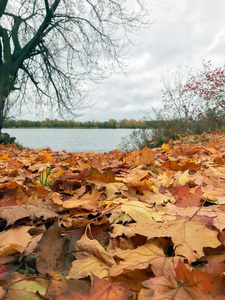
184 33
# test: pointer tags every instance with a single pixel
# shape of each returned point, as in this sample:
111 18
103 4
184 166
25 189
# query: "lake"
72 140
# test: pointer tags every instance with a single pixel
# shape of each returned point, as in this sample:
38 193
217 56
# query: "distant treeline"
47 123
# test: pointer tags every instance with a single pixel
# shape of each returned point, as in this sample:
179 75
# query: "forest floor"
140 225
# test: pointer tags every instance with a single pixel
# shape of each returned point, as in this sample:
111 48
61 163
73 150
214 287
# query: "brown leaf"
189 237
51 252
93 247
138 258
14 240
14 213
69 182
106 176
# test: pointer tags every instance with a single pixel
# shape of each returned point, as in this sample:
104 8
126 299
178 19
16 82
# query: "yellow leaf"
138 258
85 267
184 178
5 156
211 195
25 289
139 212
165 146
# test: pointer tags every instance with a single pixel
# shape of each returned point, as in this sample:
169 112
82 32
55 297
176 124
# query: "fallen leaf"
138 258
51 251
189 237
81 268
93 247
186 197
14 240
14 213
106 176
102 289
184 178
26 289
165 146
186 285
140 212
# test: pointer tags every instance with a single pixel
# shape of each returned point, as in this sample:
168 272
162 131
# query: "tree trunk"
6 85
2 104
7 80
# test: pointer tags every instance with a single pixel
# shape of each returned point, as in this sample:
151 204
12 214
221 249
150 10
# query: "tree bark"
7 77
3 4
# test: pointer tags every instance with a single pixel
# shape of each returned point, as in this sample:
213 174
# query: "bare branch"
59 49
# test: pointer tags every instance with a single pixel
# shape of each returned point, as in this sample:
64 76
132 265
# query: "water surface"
73 140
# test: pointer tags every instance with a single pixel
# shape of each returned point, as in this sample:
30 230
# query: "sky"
183 33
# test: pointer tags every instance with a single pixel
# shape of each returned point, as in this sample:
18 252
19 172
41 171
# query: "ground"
140 225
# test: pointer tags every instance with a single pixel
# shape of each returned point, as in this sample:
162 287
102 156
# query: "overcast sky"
184 33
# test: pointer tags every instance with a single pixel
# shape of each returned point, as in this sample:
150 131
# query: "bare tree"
176 103
208 83
51 51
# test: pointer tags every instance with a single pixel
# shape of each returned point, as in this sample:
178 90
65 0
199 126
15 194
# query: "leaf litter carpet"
139 225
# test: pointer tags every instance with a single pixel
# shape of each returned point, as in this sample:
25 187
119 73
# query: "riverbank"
47 123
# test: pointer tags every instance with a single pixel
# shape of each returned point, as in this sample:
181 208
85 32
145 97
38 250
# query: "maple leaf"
82 268
106 176
146 156
183 178
186 197
111 189
189 237
210 215
165 146
139 211
132 279
52 252
69 182
138 258
187 284
164 266
156 198
14 213
14 240
102 289
2 293
26 289
76 289
93 247
173 165
98 261
87 201
215 269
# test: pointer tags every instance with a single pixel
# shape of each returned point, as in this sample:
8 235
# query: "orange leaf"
186 197
102 289
106 176
187 284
